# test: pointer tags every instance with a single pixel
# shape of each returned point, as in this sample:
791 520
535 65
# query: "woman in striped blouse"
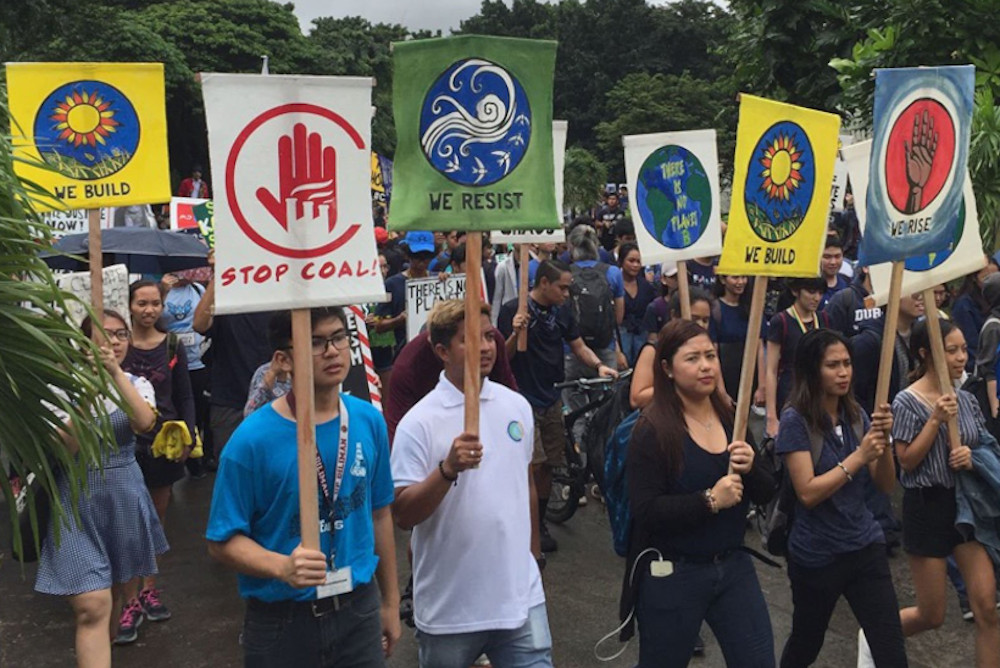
920 428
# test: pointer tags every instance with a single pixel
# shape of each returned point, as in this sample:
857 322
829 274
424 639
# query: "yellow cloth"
171 441
781 190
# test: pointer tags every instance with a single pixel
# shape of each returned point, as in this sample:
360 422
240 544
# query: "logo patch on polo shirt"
515 430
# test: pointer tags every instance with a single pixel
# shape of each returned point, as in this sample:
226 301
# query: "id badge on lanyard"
338 580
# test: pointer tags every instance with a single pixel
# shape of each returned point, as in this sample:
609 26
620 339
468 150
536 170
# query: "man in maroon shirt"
416 371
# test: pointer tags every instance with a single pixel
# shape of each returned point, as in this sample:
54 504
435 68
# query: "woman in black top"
686 555
638 295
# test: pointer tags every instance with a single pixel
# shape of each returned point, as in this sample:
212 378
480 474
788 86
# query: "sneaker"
482 661
548 543
699 646
128 625
963 604
154 610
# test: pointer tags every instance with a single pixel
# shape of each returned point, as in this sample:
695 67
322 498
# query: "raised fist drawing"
919 159
307 181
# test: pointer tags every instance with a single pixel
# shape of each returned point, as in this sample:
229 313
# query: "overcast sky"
414 14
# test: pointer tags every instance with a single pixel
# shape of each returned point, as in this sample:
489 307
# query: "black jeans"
727 595
277 635
863 578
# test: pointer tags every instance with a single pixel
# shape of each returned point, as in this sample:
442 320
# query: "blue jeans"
726 595
529 646
632 344
276 635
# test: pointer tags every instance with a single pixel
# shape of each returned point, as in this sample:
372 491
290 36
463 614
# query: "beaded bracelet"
843 468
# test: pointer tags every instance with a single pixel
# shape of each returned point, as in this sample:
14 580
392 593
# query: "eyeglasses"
120 334
339 341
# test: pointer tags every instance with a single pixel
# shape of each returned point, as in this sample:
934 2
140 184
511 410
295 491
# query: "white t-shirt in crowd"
472 564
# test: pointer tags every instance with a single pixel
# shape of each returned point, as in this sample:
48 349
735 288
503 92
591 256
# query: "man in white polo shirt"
471 503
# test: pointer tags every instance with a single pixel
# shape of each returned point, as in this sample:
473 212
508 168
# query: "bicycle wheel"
564 497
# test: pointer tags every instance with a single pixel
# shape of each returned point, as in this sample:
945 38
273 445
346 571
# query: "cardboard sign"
100 130
293 210
674 181
115 291
423 293
362 380
963 254
63 223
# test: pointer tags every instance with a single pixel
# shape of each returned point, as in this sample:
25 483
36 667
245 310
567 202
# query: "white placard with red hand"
291 158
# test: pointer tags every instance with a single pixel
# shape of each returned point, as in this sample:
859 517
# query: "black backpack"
775 518
593 305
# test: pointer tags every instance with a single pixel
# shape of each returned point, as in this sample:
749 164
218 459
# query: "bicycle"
569 482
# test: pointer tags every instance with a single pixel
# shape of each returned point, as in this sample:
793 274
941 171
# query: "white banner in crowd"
839 178
423 293
291 157
63 223
673 181
558 234
115 291
964 256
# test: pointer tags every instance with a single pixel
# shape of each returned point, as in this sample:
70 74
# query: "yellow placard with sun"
781 189
92 134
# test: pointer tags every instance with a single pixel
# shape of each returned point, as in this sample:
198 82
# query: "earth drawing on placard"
674 196
931 260
86 129
781 178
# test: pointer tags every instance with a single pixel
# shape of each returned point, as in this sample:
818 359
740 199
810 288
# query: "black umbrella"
142 250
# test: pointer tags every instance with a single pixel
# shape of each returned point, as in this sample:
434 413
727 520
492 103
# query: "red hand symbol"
307 178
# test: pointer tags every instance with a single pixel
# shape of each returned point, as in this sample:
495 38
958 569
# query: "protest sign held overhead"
473 120
92 134
674 181
292 212
423 293
192 214
963 253
921 126
381 185
115 287
362 380
781 189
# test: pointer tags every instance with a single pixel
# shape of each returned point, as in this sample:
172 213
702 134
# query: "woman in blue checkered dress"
118 535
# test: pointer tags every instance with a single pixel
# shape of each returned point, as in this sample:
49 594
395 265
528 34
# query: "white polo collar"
451 396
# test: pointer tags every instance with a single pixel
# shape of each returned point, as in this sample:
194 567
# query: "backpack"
600 428
615 491
776 517
593 305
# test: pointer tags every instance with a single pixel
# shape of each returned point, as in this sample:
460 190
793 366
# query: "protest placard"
115 286
362 381
840 175
93 134
423 293
74 221
292 211
474 134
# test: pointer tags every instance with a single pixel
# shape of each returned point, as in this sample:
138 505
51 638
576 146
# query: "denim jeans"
863 578
632 344
529 646
288 634
725 594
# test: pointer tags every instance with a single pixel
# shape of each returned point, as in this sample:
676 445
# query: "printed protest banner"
423 293
781 189
962 255
115 291
474 134
674 181
556 234
921 126
182 212
381 185
361 381
292 211
93 134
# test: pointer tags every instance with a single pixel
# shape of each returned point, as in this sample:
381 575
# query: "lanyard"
338 476
791 310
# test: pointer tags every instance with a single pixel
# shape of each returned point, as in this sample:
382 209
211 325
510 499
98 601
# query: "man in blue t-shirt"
550 326
305 606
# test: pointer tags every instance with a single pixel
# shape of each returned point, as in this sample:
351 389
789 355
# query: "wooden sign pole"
749 366
940 365
683 293
473 328
305 422
522 295
95 254
889 335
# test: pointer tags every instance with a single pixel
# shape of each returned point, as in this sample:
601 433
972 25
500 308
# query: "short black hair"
458 255
551 270
833 241
815 284
279 328
624 227
695 294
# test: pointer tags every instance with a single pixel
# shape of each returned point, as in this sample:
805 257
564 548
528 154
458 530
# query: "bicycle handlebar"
584 383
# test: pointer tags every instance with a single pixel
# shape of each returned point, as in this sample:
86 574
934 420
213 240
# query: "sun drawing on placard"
84 118
781 168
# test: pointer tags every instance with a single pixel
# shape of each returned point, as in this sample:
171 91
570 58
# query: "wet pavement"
582 583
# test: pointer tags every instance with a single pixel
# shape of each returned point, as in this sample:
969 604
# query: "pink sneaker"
154 610
128 625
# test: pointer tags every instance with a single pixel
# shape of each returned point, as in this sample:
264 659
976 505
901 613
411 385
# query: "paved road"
582 583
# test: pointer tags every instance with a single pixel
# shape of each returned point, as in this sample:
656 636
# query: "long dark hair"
970 286
625 249
806 396
719 290
159 325
665 414
88 324
920 339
